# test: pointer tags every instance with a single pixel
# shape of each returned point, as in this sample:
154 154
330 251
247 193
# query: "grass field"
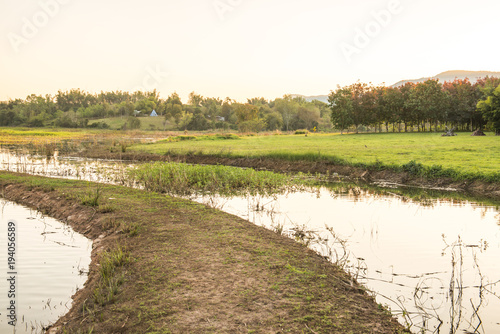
463 153
147 123
13 136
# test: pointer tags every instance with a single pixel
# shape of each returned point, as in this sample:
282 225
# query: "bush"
132 123
413 168
99 125
301 132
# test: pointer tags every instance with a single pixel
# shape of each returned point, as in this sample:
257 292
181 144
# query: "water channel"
433 262
38 275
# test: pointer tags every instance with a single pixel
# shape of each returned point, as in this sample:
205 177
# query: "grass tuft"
91 198
184 179
110 280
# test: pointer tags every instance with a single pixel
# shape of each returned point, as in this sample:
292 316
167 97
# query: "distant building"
220 118
153 113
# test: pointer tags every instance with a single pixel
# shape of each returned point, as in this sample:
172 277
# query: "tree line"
424 106
76 108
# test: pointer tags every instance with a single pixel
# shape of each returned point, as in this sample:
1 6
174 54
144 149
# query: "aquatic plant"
183 179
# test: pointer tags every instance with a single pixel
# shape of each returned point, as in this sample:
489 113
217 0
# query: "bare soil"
194 269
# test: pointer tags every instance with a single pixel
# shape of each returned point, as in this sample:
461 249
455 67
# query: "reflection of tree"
458 306
434 299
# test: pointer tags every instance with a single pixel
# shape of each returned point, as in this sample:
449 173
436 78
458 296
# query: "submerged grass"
183 179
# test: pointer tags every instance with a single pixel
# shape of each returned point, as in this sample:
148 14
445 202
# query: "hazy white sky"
238 48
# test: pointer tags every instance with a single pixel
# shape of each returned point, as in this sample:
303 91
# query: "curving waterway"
433 262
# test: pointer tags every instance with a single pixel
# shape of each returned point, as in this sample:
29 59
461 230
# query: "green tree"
185 119
246 112
173 108
274 121
288 109
308 115
429 100
462 101
125 108
340 103
145 105
195 99
132 123
409 115
248 118
490 107
391 107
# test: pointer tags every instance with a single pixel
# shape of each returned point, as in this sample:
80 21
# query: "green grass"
42 132
147 123
459 156
109 280
184 179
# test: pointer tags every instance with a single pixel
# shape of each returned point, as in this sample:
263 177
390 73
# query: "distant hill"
322 98
452 75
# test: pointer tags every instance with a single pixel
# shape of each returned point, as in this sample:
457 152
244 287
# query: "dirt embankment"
193 269
474 187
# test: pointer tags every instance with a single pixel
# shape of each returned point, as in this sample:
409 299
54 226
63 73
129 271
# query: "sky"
238 48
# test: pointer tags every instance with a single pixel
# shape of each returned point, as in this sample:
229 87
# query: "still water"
50 263
434 263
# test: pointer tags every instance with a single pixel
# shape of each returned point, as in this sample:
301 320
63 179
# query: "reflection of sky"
403 238
50 256
69 168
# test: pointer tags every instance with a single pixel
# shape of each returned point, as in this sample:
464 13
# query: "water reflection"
64 167
434 265
51 265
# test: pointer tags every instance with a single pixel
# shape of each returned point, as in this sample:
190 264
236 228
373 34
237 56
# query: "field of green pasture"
462 153
147 123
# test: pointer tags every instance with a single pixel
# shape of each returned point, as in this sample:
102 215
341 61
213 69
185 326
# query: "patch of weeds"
123 146
298 271
183 179
109 282
413 168
301 132
131 229
45 187
110 223
91 198
106 208
278 228
385 309
305 319
88 330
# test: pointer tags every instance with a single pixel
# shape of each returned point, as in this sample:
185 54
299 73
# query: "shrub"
301 132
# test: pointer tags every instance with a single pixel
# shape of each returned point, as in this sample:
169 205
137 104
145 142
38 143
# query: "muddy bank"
472 187
194 269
